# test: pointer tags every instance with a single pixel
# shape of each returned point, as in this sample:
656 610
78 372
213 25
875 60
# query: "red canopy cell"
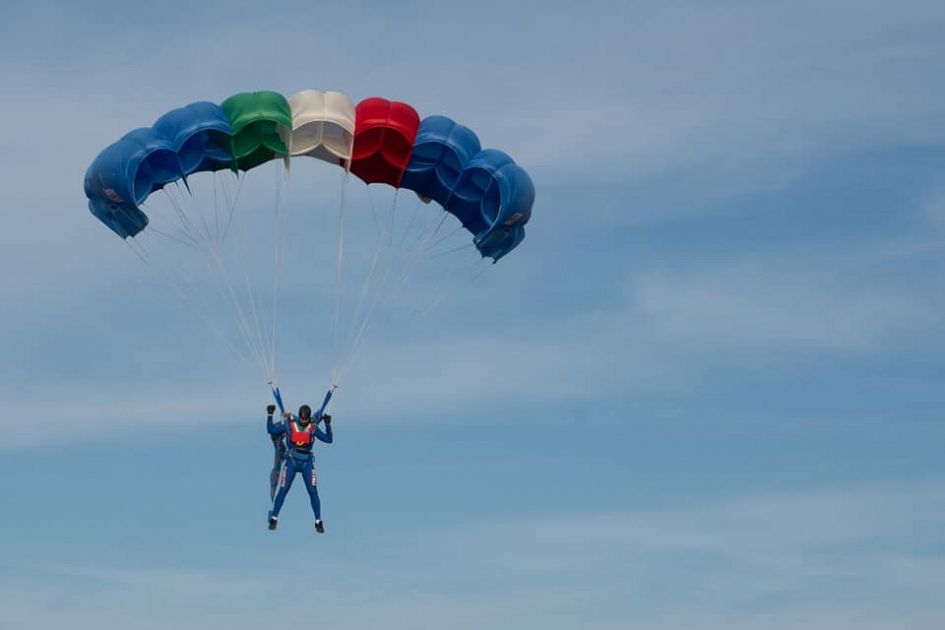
383 140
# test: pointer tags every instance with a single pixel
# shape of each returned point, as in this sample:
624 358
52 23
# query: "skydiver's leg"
286 476
277 460
311 484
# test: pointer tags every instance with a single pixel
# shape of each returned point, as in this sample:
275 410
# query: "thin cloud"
723 561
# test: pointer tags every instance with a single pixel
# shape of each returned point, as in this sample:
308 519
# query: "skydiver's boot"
273 521
319 526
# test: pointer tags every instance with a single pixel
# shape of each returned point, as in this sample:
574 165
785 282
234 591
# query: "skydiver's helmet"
305 414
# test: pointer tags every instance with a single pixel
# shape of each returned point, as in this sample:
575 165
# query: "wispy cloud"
825 556
666 327
799 299
733 200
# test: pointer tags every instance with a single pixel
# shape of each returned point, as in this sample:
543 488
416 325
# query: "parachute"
379 141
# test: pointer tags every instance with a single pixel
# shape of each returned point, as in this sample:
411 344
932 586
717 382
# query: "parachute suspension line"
216 211
442 240
208 234
140 253
416 254
255 343
442 286
413 259
186 227
413 219
339 274
486 266
346 347
205 317
201 311
369 277
180 236
361 317
377 223
277 253
189 242
281 229
257 305
409 265
267 335
203 220
258 343
390 219
383 242
223 204
216 203
243 324
231 200
260 329
453 250
419 253
418 235
181 284
446 285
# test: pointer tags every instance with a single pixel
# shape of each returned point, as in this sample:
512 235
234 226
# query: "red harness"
301 436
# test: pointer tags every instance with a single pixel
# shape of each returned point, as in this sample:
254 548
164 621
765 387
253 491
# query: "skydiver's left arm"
325 436
276 428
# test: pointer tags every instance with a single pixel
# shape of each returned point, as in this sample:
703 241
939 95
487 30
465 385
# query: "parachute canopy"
378 140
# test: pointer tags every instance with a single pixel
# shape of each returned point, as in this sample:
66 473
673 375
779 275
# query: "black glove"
271 409
327 418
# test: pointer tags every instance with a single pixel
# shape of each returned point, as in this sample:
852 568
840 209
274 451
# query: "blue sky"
704 393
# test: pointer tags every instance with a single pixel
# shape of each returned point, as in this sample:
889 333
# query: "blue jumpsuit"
298 458
278 445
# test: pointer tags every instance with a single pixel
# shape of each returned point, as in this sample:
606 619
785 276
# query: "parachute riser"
321 410
277 396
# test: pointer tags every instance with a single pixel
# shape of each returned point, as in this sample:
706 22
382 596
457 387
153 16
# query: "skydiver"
299 434
278 445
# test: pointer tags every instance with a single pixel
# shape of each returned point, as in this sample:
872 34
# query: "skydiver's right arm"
274 428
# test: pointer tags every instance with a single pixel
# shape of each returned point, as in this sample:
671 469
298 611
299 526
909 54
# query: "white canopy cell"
322 126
